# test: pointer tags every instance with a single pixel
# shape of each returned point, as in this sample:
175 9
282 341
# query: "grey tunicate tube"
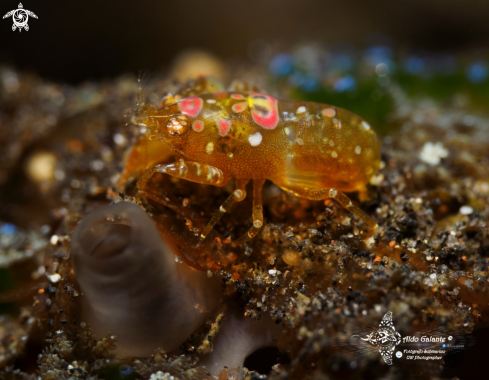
132 285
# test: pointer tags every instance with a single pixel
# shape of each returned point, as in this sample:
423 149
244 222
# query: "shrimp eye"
177 126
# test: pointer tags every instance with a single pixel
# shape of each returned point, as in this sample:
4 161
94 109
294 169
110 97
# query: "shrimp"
315 151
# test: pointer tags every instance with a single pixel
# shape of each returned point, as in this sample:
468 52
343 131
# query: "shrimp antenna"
142 79
157 116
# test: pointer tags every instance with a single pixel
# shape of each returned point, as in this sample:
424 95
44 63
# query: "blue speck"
295 79
444 345
477 72
415 65
7 229
125 369
281 65
305 82
378 54
309 84
345 83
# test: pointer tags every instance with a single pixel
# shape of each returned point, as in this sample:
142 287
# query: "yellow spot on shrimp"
210 147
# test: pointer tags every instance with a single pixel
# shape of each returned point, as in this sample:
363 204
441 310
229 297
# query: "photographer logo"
386 338
20 16
432 343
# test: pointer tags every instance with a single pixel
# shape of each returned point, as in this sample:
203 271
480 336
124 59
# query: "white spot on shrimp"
331 143
365 125
211 101
287 130
210 147
255 139
334 154
358 149
299 141
183 169
301 109
211 173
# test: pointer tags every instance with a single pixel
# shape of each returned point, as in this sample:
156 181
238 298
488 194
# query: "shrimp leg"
200 173
257 213
188 170
237 196
325 193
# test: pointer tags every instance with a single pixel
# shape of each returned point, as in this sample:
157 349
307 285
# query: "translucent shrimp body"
312 150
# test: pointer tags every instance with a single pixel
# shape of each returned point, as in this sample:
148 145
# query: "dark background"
77 40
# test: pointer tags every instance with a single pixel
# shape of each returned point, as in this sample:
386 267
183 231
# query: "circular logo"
20 17
450 337
398 354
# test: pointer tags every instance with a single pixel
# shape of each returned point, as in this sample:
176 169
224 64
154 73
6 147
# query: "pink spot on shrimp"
264 110
224 126
239 107
238 96
191 106
329 112
198 125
